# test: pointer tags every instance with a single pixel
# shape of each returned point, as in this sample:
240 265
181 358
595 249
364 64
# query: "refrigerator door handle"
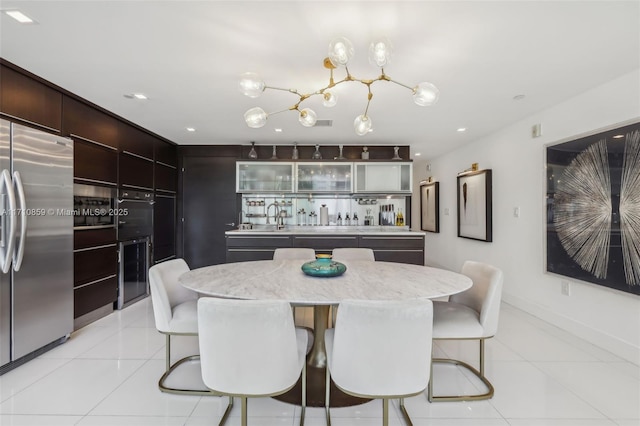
18 253
6 251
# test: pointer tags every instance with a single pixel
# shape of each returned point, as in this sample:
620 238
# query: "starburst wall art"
593 208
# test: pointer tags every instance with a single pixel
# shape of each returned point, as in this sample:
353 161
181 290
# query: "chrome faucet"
275 216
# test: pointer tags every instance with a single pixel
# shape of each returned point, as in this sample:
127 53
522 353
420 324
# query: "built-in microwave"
93 207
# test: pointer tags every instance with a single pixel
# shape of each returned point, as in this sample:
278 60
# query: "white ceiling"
186 56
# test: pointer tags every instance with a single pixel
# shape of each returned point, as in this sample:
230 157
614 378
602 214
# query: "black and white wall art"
474 205
593 208
430 206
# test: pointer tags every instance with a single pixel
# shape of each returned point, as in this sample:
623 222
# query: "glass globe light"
251 85
380 51
340 51
362 125
329 99
425 94
307 117
255 117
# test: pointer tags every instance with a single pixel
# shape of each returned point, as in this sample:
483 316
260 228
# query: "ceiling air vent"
324 123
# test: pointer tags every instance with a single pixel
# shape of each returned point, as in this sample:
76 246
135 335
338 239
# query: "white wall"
605 317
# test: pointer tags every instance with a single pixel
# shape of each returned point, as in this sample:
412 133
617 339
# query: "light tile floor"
107 373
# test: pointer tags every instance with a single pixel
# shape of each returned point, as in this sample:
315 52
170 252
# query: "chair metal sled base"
474 397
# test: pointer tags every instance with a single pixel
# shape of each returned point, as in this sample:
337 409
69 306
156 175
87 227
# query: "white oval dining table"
284 279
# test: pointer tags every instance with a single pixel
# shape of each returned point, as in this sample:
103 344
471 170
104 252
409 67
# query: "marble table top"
284 279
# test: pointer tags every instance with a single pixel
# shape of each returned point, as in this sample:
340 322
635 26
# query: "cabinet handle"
230 224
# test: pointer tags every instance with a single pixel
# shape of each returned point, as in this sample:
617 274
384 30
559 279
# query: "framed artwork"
593 208
474 205
430 206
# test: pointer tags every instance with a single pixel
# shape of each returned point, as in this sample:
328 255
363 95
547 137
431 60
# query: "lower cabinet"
401 249
95 270
245 248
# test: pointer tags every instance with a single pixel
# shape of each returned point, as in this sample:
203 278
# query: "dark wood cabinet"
27 99
135 171
166 177
164 227
95 269
243 248
166 153
96 163
89 297
80 119
135 141
208 203
402 249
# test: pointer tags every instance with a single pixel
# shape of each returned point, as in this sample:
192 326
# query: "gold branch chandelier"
340 52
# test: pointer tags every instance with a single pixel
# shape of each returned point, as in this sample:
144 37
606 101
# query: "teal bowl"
323 267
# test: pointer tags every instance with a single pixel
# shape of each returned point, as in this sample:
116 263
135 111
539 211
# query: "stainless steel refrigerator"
36 242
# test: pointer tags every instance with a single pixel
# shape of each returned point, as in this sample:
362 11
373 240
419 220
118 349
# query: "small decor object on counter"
317 155
313 219
294 155
396 156
273 154
365 153
354 221
347 219
253 155
323 266
324 215
339 220
340 156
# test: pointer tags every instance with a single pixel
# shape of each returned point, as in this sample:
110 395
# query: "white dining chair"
470 315
175 313
294 253
346 253
380 349
250 348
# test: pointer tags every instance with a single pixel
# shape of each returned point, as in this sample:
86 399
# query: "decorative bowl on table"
323 266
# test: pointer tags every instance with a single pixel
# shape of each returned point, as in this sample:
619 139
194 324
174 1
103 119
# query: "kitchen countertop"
343 230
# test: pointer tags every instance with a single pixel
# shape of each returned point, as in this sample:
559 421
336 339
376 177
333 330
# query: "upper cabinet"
324 177
95 126
264 176
387 177
27 99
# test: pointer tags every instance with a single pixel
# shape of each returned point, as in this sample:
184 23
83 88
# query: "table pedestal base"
316 392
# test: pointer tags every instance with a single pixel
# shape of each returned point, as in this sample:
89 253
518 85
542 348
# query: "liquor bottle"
399 218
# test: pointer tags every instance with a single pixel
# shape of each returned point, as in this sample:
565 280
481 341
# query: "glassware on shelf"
340 156
273 153
252 153
396 156
294 155
317 155
365 153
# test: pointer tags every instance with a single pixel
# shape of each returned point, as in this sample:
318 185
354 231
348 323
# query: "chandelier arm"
399 84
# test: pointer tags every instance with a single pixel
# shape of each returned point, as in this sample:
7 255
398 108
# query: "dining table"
285 280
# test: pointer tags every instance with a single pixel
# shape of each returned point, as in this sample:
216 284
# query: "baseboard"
618 347
92 316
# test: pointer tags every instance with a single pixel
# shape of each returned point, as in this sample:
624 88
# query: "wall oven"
135 214
93 207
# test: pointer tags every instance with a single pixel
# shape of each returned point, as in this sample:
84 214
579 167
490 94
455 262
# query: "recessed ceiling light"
417 154
518 97
278 130
191 129
19 16
461 129
618 136
139 96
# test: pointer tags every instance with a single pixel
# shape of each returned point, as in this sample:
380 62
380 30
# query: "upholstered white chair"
470 315
294 253
380 349
250 348
175 312
340 254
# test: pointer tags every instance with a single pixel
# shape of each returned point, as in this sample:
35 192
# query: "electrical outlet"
446 212
565 288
